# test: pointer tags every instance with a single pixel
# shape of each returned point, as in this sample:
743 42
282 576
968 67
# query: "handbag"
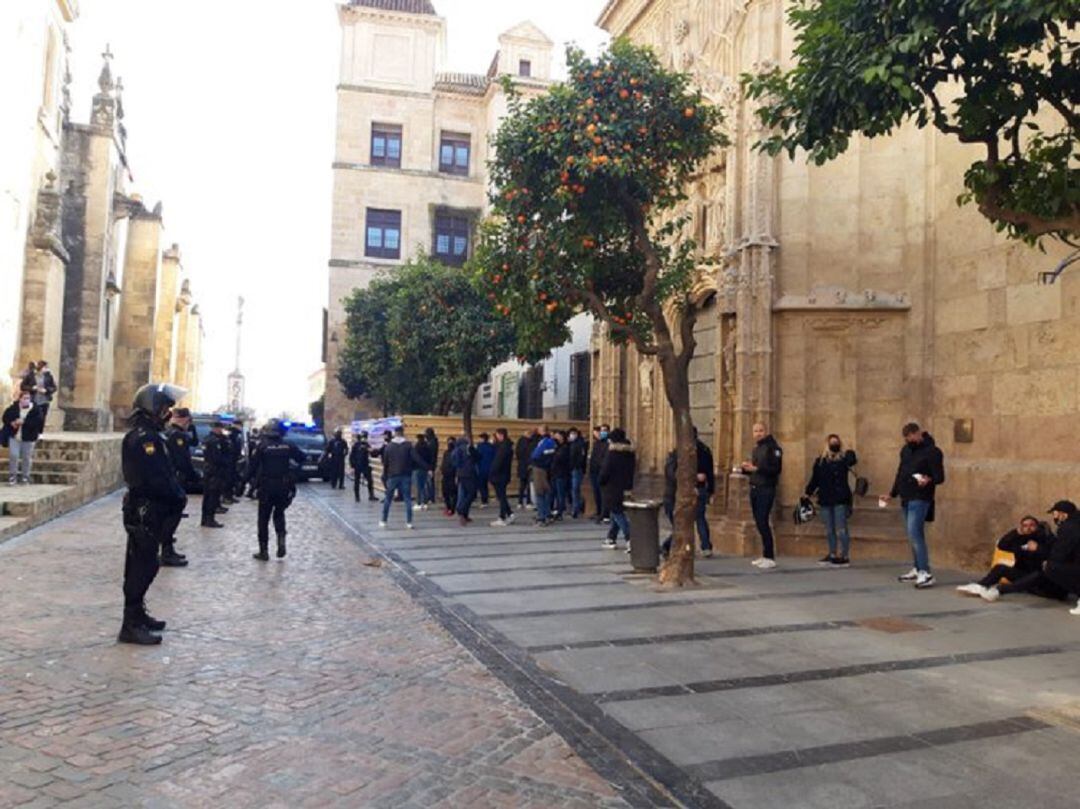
862 485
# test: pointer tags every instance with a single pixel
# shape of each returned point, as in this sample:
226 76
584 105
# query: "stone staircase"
70 469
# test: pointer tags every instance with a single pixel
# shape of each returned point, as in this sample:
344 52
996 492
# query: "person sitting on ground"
1029 543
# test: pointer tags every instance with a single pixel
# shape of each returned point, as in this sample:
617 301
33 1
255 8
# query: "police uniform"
178 446
360 460
275 481
216 457
337 452
153 494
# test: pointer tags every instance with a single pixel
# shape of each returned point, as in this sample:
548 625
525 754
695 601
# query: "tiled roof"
471 83
405 6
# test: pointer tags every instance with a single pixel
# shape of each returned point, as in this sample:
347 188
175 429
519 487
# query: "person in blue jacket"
543 457
485 450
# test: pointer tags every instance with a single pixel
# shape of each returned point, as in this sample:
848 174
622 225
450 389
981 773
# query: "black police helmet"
155 398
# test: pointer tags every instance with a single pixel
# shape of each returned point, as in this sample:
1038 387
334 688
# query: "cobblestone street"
312 682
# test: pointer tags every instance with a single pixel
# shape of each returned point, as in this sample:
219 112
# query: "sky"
230 113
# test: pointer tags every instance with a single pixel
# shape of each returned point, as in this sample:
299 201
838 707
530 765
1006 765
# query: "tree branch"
596 303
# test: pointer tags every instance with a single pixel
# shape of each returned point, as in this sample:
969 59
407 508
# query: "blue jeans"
702 521
466 494
762 499
561 486
835 518
524 496
543 504
482 489
398 483
420 481
577 506
915 512
619 522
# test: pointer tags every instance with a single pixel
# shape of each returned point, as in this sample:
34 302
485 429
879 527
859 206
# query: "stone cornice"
839 299
358 88
618 16
428 175
399 17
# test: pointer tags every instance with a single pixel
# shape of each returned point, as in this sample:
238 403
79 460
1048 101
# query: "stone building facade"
411 150
852 298
92 293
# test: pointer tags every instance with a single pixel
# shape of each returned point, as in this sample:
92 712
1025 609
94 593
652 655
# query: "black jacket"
336 452
148 472
272 466
423 458
398 458
919 459
178 442
32 425
560 463
447 466
217 459
579 455
360 456
466 461
704 467
1028 561
596 460
1066 548
522 453
768 457
502 463
617 474
29 382
829 480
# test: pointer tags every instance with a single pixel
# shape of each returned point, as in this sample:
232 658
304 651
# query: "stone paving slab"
315 681
801 687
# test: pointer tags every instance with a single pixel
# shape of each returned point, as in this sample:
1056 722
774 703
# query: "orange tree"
588 180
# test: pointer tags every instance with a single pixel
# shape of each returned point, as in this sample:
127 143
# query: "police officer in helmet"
153 495
275 483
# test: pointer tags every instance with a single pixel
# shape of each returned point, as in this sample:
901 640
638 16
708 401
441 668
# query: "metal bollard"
644 518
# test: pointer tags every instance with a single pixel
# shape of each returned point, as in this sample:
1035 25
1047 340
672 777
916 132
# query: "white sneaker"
970 589
767 564
409 525
911 575
757 562
924 579
991 594
609 544
499 524
1075 610
382 524
511 519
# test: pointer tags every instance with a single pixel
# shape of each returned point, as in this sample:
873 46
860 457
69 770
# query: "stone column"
164 367
185 322
135 328
43 290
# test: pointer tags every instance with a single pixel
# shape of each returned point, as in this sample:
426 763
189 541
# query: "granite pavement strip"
315 681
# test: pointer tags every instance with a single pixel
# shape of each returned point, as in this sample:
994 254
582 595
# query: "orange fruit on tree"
624 94
551 307
689 112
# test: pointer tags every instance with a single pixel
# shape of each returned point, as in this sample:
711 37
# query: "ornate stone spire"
105 79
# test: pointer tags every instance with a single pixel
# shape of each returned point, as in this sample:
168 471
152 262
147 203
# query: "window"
525 68
531 393
580 387
383 234
454 154
451 238
386 145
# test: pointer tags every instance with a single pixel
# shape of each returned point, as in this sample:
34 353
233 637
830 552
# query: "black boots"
149 621
135 629
211 524
263 555
280 546
170 558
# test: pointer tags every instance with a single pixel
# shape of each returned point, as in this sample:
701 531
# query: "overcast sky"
230 110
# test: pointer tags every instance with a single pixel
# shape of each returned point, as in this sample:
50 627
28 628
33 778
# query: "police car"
202 424
309 439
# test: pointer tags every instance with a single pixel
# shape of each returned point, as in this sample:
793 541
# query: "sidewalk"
310 682
801 687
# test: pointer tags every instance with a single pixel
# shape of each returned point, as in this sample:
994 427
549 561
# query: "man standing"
704 487
920 472
486 452
596 463
764 467
336 453
542 459
42 386
276 484
423 456
579 459
398 462
177 442
616 479
521 454
499 475
360 460
217 456
153 493
465 461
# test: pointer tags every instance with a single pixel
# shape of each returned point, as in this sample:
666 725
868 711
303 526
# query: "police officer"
178 444
276 484
360 460
153 493
337 452
217 456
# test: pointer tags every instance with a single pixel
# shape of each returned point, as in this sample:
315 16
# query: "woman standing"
23 423
829 480
616 479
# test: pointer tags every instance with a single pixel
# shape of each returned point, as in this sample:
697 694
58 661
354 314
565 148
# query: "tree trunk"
466 415
678 570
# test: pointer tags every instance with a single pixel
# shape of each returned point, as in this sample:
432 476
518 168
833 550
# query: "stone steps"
33 501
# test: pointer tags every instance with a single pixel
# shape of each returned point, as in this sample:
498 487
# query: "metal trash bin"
644 518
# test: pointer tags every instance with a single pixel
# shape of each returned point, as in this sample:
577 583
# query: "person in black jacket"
275 481
335 454
560 473
466 462
399 459
217 456
764 467
42 386
829 480
596 463
522 451
579 466
432 441
424 457
449 479
920 472
617 478
499 476
177 442
153 493
23 424
360 460
1029 543
704 487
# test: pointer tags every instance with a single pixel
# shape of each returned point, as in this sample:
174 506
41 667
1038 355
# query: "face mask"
834 447
573 436
603 436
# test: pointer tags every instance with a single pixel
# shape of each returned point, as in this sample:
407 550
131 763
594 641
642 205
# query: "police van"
309 439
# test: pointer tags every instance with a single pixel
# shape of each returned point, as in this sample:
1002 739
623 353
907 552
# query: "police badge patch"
149 448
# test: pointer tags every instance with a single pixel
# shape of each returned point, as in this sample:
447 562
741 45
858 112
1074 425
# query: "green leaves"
1010 66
